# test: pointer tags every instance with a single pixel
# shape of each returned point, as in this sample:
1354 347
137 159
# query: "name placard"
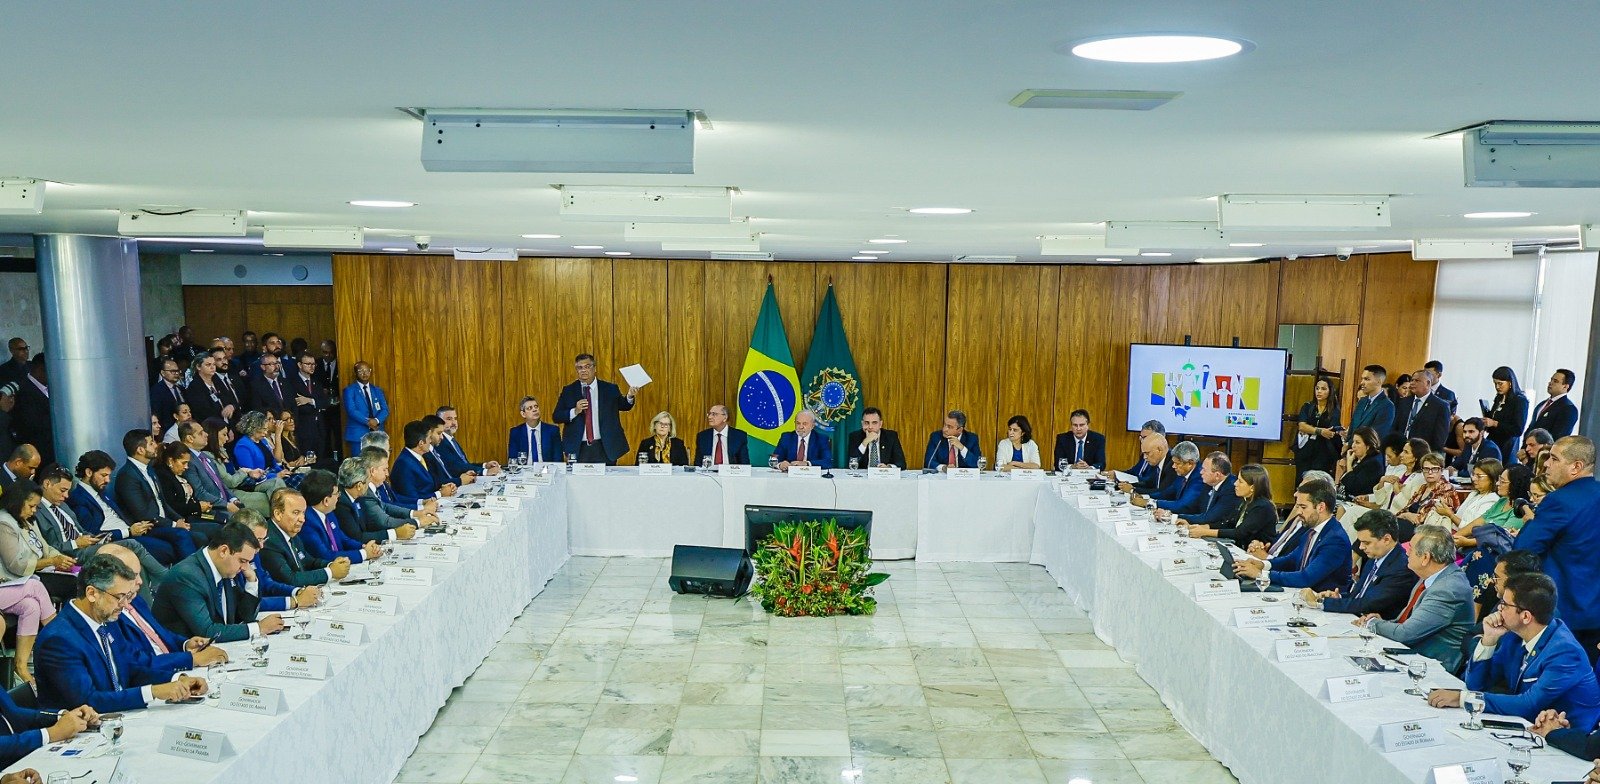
884 473
504 503
588 469
440 553
962 473
1349 688
409 575
207 745
1484 771
484 517
1413 734
655 469
1257 617
375 604
1070 490
731 469
1181 564
1094 501
806 471
310 666
471 533
338 632
1117 514
242 697
522 491
1215 589
1027 474
1307 649
1154 543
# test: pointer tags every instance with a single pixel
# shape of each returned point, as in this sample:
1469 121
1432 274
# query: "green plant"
815 568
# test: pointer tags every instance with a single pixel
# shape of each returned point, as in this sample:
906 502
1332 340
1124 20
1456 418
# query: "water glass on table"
258 649
1417 670
111 730
1472 703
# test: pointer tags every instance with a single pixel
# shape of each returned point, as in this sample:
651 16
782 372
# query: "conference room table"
362 722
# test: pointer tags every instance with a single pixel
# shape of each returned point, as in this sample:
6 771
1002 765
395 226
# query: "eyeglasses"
1504 604
1431 469
122 598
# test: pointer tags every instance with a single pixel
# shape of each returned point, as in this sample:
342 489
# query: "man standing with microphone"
588 409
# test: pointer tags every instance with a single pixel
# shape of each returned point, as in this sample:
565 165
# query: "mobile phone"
1501 724
1397 651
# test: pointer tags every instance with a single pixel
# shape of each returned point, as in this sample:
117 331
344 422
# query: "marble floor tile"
592 769
534 740
805 770
1075 745
989 771
641 715
804 717
520 768
715 743
805 743
1060 771
718 717
625 741
1187 771
975 744
711 770
427 768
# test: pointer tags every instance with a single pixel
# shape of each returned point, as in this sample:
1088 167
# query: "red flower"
807 588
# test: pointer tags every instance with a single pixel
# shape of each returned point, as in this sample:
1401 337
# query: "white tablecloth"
1268 722
383 695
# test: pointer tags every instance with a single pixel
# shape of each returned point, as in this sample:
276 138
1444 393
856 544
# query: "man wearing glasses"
310 400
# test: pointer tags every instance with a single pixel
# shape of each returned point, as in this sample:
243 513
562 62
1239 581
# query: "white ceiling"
830 117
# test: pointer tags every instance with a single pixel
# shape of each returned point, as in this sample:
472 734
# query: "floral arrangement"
815 568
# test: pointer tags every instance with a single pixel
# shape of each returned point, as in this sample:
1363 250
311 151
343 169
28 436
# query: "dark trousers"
173 540
594 452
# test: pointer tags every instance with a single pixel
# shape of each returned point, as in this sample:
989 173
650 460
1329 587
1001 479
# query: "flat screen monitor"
1208 390
760 520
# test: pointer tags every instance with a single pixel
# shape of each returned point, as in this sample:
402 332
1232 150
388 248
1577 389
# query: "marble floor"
967 673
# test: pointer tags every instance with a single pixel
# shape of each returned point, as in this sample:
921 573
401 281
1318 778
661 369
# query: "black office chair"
22 694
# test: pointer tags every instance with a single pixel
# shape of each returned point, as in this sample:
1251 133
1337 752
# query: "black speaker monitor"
713 571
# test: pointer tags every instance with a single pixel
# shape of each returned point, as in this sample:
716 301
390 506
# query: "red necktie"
952 454
1416 593
802 456
588 417
716 456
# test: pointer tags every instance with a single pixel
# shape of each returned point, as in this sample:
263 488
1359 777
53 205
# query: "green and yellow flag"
769 389
833 390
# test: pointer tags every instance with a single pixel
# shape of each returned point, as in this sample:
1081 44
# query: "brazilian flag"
769 390
833 390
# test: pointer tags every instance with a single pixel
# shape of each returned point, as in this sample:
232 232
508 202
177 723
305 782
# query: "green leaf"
875 578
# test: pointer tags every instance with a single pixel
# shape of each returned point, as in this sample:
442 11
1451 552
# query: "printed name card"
733 470
887 473
440 553
655 469
1484 771
338 632
1154 543
1127 526
805 472
375 604
471 533
1028 474
1116 514
522 491
962 473
1215 589
310 666
207 745
483 517
409 575
588 469
1307 649
1094 501
1071 490
1349 688
1414 734
243 697
503 503
1182 564
1258 617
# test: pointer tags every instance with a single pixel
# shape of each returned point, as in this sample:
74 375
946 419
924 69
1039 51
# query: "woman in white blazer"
1017 449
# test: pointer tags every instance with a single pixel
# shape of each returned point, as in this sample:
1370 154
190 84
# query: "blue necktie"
222 600
104 633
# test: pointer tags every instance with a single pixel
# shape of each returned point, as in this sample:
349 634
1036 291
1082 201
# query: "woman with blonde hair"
663 444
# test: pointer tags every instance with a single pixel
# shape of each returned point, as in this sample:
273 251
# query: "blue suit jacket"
937 453
1386 595
455 458
1376 413
1566 531
26 724
1183 490
72 670
1463 462
313 539
1094 450
1327 569
356 411
737 446
253 454
174 661
1557 676
1222 507
90 518
275 596
548 437
818 450
442 475
410 480
1559 417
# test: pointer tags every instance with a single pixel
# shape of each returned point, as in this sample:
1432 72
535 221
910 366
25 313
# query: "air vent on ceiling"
983 259
1134 100
737 256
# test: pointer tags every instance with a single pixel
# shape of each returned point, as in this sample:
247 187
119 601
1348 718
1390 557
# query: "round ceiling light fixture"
1158 48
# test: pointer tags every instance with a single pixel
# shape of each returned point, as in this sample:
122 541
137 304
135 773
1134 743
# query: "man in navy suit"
201 595
1154 471
166 395
952 446
1186 489
79 660
321 535
270 390
282 553
1424 416
590 408
434 459
1566 531
1384 583
1438 615
1322 561
540 441
1218 503
1557 415
874 445
1475 446
26 729
413 481
451 451
1373 409
1080 446
97 513
1528 661
365 408
141 630
1439 390
804 446
135 490
724 445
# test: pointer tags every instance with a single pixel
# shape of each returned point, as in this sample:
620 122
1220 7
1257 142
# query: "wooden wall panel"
1096 325
426 350
1396 312
291 311
1320 291
639 336
974 364
477 379
211 311
691 374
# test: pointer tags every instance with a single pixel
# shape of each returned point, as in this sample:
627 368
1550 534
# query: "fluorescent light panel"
20 196
1303 212
673 232
314 237
681 204
749 243
1169 234
1432 250
189 223
1081 245
558 140
485 254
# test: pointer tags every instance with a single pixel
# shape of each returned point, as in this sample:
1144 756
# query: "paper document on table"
1125 477
635 376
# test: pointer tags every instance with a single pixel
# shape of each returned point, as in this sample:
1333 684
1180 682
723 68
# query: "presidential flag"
833 390
769 389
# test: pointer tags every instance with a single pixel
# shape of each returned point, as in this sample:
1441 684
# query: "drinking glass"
111 730
216 673
772 462
1262 581
375 568
1417 670
1472 702
59 777
854 464
644 457
1061 466
258 649
571 461
983 463
1366 641
302 619
1299 603
1518 758
311 457
705 464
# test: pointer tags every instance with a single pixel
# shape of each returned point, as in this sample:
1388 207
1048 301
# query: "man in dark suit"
451 451
30 418
1384 583
540 441
79 662
97 513
1218 502
360 514
873 445
803 446
59 526
201 598
411 477
138 496
310 401
283 555
1437 617
723 444
1322 561
589 409
27 729
275 596
1080 446
1439 390
23 461
17 366
434 459
1424 416
269 391
1373 409
1154 471
1557 415
1187 488
1566 531
1475 446
140 629
952 446
167 395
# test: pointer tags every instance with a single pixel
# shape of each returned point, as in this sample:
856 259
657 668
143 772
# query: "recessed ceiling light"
541 236
886 241
939 210
618 253
1224 259
1159 48
1497 215
863 258
1155 254
382 203
274 254
395 250
201 250
872 252
1108 258
1246 244
587 247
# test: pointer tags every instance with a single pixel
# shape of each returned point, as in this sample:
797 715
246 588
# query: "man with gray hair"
952 446
805 446
360 513
1184 491
1154 470
1565 531
1438 616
